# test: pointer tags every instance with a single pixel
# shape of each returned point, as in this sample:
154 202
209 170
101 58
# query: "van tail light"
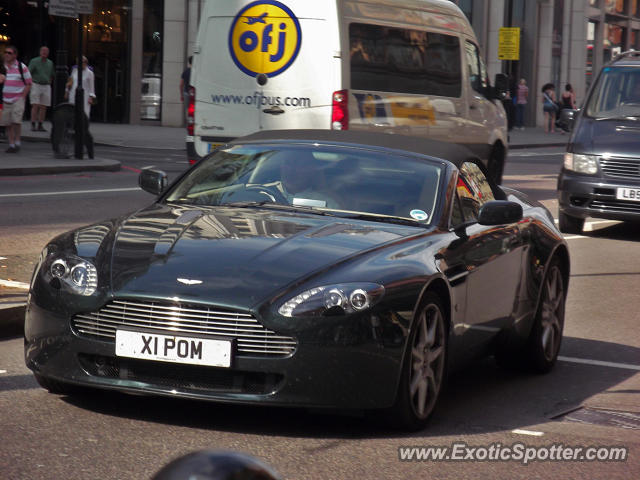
191 111
340 110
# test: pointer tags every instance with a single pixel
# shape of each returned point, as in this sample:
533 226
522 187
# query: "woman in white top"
87 85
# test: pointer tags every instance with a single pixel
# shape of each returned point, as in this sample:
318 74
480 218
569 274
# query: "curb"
32 139
105 166
12 320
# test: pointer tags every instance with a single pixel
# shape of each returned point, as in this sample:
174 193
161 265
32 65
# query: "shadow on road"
481 399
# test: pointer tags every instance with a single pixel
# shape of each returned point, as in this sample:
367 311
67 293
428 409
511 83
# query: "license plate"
213 146
630 194
174 349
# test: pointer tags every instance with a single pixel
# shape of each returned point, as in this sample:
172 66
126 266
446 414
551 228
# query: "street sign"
63 8
70 8
509 43
85 6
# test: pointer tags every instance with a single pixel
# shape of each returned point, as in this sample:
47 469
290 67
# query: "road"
590 399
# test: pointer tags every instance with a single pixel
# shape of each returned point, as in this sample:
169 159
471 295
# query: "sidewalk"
115 135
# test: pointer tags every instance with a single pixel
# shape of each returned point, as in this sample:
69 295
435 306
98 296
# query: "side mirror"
500 212
153 181
567 119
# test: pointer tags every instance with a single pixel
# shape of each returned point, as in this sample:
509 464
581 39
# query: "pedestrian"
509 109
185 78
568 102
16 88
88 83
42 71
568 97
549 107
522 94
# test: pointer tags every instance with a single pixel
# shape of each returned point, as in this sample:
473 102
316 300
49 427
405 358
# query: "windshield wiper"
278 206
384 219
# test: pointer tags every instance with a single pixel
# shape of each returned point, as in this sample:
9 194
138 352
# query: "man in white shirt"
87 84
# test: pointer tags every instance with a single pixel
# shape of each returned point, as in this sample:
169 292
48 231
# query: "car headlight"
339 299
581 163
73 273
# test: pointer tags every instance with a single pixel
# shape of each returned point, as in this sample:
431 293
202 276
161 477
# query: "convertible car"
321 269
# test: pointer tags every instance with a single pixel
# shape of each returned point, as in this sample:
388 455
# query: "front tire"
546 335
569 224
424 366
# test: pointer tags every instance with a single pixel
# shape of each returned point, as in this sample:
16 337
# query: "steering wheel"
272 193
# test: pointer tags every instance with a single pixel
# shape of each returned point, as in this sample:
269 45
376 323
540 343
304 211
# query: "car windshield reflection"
347 181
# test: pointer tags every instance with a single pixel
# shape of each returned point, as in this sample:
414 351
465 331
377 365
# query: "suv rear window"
401 60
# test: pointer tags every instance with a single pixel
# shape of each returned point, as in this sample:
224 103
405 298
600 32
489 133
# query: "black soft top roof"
455 154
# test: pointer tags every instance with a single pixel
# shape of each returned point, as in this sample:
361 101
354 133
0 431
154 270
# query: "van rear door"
266 65
290 50
223 108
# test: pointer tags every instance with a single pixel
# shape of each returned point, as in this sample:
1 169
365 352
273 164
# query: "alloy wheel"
427 360
552 314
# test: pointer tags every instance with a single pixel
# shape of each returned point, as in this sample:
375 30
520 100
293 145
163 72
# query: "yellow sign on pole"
509 43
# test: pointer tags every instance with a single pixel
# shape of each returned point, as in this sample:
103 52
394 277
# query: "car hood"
232 256
616 136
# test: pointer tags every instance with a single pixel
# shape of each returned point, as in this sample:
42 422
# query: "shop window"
152 40
614 6
614 40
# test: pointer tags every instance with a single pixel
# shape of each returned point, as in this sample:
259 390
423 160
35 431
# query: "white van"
396 66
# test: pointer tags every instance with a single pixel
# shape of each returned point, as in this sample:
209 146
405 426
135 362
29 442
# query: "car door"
488 259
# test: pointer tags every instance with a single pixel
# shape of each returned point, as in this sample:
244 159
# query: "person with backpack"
16 88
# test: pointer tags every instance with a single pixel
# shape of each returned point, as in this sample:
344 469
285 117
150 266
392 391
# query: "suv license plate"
629 194
174 349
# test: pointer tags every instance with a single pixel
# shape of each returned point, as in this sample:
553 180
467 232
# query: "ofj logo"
265 37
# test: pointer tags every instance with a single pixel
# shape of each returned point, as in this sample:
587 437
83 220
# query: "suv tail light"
191 111
340 110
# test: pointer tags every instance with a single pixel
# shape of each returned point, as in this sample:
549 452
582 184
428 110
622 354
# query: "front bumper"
583 196
348 368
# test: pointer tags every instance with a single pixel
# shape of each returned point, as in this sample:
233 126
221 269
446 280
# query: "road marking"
599 363
72 192
573 237
3 371
3 258
531 433
12 284
534 154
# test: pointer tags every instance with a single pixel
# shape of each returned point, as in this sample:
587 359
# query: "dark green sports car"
334 269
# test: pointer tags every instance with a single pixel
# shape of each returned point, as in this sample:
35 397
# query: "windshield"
617 93
314 178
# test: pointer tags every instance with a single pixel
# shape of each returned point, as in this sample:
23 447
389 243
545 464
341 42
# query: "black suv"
601 172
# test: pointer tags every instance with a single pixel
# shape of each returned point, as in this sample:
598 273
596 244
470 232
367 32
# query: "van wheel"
569 224
496 164
423 369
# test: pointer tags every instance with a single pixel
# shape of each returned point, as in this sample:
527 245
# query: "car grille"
616 206
620 167
252 339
